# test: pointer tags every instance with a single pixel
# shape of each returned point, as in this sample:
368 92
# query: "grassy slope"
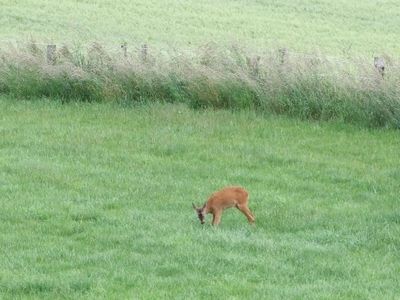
96 202
357 27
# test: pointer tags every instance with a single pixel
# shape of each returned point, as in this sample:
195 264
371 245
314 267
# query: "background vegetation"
221 54
340 27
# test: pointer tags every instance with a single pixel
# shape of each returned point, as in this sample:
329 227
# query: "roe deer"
222 199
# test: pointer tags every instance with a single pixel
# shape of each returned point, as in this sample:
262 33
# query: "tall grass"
305 86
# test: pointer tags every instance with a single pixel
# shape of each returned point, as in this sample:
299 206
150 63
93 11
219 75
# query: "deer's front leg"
216 217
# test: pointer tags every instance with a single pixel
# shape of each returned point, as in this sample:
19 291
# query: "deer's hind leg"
246 211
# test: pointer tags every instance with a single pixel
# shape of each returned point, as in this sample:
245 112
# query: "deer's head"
200 213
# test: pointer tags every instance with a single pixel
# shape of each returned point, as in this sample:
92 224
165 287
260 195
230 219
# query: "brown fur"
219 201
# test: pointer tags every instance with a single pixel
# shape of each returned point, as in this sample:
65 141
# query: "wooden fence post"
144 52
379 64
283 52
253 64
124 47
51 54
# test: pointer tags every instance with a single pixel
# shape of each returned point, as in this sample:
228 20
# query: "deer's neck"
206 209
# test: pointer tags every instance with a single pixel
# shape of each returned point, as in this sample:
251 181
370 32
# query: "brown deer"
227 197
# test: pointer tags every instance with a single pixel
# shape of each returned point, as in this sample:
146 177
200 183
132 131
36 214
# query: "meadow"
342 28
96 203
102 154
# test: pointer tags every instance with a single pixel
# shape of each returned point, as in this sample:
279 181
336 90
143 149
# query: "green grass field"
96 203
342 27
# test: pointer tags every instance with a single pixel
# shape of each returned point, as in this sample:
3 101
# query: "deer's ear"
194 206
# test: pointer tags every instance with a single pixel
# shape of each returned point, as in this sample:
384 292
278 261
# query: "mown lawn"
96 203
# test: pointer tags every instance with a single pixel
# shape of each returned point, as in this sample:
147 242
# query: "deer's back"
228 197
